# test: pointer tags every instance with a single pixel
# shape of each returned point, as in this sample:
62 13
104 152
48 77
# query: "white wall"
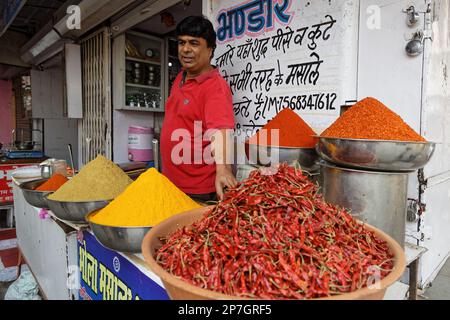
121 121
385 71
335 50
435 127
58 133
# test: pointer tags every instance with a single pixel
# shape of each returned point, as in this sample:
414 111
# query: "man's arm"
221 143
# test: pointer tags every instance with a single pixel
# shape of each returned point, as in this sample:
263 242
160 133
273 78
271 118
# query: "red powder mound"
293 131
53 184
372 120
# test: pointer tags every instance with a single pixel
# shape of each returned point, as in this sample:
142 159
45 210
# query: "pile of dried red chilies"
274 237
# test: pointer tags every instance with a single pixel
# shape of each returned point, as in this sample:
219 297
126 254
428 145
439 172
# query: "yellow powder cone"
149 200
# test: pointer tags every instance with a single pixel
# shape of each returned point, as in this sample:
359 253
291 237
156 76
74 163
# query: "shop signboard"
108 275
276 54
6 192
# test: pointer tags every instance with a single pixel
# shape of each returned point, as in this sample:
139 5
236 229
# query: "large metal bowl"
123 239
34 197
75 211
268 155
380 155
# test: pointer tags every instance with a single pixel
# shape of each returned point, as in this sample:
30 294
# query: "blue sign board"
107 275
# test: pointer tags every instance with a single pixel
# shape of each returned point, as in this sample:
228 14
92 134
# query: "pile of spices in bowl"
292 130
370 119
53 184
146 202
100 179
274 237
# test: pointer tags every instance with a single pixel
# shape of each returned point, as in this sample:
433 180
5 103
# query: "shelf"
127 108
143 61
413 252
141 86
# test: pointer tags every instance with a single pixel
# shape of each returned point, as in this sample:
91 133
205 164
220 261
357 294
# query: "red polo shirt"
207 101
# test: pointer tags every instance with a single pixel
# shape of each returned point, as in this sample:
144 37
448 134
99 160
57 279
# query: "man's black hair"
200 27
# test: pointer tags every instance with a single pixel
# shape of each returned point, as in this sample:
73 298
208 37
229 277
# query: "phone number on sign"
317 101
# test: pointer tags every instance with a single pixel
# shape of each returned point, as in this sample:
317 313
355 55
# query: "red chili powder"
293 131
370 119
53 184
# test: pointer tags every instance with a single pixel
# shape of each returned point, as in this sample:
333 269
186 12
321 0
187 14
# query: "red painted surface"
6 112
9 257
6 193
6 234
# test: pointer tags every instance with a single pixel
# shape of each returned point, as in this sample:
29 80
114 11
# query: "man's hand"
221 144
224 178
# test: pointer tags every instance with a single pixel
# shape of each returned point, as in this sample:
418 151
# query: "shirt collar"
207 75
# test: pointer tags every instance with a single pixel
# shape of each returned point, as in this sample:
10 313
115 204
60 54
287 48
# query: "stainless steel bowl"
268 155
75 211
123 239
381 155
34 197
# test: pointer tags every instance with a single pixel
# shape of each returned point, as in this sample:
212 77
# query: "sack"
24 288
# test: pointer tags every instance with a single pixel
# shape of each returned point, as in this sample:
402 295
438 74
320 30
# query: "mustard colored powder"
149 200
100 179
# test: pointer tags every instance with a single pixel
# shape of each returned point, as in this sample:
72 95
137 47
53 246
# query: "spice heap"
371 119
100 179
146 202
274 237
293 131
53 184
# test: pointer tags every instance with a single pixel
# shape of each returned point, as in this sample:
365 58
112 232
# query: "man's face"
193 53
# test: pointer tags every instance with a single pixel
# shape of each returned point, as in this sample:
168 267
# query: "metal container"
75 211
46 171
156 156
51 166
24 145
34 197
379 155
123 239
268 155
377 198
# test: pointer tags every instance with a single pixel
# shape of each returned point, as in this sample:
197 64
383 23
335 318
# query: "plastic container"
140 143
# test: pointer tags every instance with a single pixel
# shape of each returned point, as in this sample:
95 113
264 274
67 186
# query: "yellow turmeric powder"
147 201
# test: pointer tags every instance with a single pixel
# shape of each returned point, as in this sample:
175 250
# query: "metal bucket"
378 198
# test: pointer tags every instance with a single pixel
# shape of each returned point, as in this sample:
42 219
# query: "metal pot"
24 145
46 171
377 198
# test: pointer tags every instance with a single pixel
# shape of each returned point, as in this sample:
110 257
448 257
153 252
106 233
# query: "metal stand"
413 254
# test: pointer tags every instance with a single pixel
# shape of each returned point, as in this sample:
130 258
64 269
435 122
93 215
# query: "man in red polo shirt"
199 117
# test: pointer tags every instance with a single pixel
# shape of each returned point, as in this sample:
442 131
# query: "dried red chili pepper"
276 243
